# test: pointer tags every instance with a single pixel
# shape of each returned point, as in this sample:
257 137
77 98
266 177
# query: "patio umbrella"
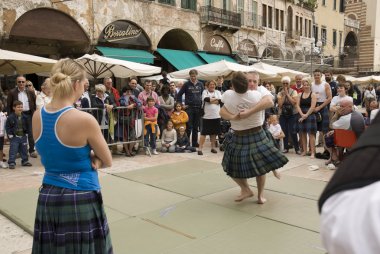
368 80
281 72
221 68
12 63
101 67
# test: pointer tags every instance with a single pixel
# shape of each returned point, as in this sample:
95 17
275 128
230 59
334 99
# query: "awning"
132 55
212 58
181 59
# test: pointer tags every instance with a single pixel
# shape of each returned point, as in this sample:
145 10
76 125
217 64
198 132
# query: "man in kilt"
322 90
248 150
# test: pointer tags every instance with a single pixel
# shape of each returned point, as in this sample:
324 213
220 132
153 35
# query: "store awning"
181 59
132 55
212 58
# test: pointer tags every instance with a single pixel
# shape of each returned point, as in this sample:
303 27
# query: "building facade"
277 31
329 29
361 46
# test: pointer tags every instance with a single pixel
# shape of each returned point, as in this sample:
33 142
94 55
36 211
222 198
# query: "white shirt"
211 110
264 92
336 100
23 97
344 122
87 95
350 221
42 99
3 119
275 129
235 102
373 114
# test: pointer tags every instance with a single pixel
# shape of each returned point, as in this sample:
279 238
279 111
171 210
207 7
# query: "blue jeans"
288 127
192 126
18 145
150 137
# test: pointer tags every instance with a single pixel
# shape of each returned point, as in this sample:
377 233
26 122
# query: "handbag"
287 109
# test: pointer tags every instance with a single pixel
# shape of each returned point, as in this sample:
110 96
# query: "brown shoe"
200 153
213 150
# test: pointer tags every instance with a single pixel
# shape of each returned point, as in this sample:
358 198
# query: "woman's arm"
298 105
313 104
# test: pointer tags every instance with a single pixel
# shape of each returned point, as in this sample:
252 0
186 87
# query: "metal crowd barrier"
117 125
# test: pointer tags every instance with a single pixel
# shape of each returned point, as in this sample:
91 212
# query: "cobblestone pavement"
14 240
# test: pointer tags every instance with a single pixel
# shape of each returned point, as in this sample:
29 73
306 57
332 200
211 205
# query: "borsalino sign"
124 32
217 44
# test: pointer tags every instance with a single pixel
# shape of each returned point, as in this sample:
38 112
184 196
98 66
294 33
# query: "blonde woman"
70 215
307 122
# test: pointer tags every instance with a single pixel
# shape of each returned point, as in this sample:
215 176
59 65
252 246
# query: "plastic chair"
344 138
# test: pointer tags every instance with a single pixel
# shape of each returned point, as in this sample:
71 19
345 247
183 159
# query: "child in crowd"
17 128
275 129
179 117
277 134
151 127
3 119
183 142
169 138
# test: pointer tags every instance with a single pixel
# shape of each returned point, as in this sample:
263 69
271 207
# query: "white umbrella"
281 72
220 68
12 63
101 67
159 77
368 80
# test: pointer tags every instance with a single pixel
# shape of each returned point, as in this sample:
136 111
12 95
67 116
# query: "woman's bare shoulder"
80 118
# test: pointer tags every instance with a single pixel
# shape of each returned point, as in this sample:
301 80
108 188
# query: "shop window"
189 4
270 17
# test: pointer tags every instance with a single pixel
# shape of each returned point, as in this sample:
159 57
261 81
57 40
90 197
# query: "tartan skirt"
324 124
309 125
70 221
250 155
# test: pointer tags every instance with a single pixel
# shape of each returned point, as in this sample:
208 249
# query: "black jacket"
11 125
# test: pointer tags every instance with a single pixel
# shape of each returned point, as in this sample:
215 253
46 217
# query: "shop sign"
124 32
248 47
217 44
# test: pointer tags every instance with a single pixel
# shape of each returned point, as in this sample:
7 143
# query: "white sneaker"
154 152
3 165
147 151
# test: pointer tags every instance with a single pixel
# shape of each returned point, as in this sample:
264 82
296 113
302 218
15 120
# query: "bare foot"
243 196
277 174
261 200
303 154
312 156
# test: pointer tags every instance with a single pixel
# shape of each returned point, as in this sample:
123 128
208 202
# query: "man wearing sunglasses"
28 99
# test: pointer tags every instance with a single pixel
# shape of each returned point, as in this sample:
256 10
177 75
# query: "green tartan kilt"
251 155
70 221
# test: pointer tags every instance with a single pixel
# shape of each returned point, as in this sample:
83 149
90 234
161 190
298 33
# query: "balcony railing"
293 35
252 20
210 14
351 23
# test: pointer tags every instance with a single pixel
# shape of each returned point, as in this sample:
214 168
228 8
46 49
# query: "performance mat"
188 207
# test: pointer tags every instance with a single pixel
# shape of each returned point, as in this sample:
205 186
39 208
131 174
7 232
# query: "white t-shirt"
264 92
275 129
211 110
336 100
374 113
235 102
344 122
350 221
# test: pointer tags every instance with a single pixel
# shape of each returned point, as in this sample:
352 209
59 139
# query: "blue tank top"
65 166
